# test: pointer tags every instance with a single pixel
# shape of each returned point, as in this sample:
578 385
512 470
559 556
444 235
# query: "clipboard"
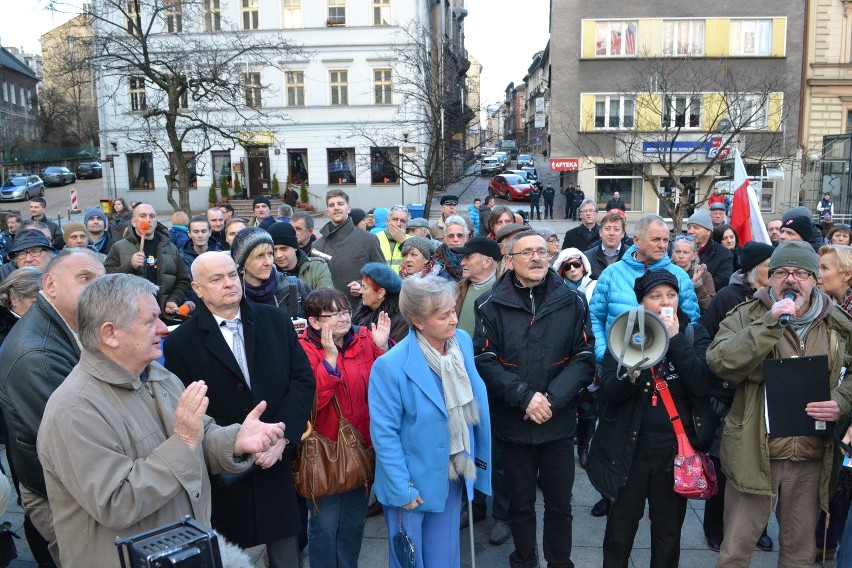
790 384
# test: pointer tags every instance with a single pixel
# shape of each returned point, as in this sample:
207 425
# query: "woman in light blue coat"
430 425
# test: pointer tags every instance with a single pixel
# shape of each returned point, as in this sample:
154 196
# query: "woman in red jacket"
341 356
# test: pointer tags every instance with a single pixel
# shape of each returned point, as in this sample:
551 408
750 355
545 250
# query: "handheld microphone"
785 319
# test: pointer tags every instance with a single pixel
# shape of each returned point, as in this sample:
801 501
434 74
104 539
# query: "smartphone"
668 312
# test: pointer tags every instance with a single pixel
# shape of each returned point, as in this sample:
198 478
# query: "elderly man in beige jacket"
125 449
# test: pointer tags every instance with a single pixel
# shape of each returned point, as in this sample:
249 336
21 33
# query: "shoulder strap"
663 390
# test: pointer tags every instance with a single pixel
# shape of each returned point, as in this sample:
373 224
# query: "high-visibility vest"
391 252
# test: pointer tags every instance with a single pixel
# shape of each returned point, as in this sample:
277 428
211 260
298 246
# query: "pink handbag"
694 474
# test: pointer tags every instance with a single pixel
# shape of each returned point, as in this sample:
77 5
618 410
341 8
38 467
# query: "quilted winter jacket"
614 294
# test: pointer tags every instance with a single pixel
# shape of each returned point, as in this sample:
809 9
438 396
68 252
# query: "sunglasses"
573 264
685 238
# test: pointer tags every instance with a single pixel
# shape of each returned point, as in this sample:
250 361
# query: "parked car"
525 160
21 187
525 175
89 170
530 170
489 166
510 186
57 175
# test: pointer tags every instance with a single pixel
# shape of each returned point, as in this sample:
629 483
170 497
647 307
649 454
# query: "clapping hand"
381 331
698 274
189 414
271 456
256 437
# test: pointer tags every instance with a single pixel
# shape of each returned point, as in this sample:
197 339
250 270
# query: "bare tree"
676 120
431 117
198 90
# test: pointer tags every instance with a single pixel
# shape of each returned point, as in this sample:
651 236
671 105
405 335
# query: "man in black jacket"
535 351
587 232
37 355
260 507
616 202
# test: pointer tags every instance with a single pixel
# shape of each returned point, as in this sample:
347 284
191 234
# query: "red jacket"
354 362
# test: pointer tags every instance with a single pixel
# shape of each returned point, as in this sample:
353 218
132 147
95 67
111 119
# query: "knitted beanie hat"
245 241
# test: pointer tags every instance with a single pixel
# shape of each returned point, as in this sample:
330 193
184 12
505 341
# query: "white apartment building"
334 116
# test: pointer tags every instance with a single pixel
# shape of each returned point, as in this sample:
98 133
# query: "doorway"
258 171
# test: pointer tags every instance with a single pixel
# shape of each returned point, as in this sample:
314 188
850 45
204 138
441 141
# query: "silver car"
21 187
58 175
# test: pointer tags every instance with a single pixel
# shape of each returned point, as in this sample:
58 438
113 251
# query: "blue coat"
614 294
410 430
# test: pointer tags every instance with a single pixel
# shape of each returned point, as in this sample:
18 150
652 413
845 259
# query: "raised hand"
328 345
189 414
256 437
381 331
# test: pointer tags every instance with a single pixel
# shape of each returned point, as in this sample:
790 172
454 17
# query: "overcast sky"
502 35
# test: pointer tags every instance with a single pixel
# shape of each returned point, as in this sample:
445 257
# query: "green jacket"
746 337
314 272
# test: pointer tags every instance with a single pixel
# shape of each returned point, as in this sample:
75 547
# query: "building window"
381 13
251 14
295 88
341 166
684 37
140 171
212 16
384 166
336 13
183 101
137 93
751 37
291 13
383 86
681 111
132 18
615 39
191 174
848 122
221 160
749 112
621 178
174 22
251 87
339 81
614 111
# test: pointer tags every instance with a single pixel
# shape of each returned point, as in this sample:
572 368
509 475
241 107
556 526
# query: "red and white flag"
746 220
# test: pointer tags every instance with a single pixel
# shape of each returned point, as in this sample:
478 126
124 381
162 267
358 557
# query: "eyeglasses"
336 315
800 275
528 254
553 239
32 253
573 264
399 208
685 238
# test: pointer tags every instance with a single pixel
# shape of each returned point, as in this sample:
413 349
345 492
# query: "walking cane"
470 529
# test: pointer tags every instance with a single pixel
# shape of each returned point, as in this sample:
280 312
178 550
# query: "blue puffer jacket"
614 294
473 215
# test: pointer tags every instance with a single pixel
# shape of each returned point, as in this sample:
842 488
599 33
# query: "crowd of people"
470 353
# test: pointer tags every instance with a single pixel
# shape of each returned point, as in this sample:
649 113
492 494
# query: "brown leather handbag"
326 467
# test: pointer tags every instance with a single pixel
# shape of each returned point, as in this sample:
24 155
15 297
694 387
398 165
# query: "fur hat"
424 245
245 241
283 234
383 275
795 254
651 280
753 253
700 218
73 227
